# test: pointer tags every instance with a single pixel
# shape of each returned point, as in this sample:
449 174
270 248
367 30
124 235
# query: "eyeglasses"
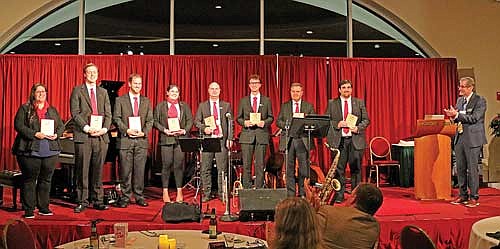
460 86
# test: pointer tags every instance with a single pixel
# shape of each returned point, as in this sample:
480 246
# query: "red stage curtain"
397 91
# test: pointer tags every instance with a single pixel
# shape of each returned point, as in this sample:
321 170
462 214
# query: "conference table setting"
485 233
170 239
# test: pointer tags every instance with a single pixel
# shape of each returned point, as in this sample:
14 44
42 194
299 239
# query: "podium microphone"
228 115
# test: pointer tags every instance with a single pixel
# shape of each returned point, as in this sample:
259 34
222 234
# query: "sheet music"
96 121
47 127
134 123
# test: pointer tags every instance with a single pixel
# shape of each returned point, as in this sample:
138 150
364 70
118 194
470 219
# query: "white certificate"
47 127
96 122
351 120
134 123
173 124
298 115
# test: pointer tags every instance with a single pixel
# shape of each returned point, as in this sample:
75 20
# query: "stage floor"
448 225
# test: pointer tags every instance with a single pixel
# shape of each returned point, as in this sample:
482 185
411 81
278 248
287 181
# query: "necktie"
254 104
172 111
136 107
464 104
297 107
216 117
93 102
346 111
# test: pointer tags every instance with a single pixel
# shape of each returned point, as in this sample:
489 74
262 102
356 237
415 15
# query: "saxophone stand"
228 217
200 145
315 126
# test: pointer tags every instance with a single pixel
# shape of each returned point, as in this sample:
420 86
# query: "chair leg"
369 176
378 176
14 197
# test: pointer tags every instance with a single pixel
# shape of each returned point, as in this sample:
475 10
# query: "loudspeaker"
259 204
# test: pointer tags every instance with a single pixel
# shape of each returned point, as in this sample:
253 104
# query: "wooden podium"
433 159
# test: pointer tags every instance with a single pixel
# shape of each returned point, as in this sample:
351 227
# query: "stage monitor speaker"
259 204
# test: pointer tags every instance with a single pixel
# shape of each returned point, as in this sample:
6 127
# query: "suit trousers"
467 169
348 154
297 150
257 152
37 177
206 168
172 157
132 165
89 159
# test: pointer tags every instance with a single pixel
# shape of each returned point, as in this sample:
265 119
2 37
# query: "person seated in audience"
295 225
352 226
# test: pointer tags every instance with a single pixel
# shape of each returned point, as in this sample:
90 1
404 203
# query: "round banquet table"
186 239
478 237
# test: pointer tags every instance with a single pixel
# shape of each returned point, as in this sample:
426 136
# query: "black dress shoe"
122 204
142 203
100 206
80 208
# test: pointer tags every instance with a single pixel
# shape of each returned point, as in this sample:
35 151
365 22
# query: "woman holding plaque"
173 119
38 125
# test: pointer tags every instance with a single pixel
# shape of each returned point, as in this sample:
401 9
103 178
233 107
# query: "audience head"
367 198
295 225
345 88
296 91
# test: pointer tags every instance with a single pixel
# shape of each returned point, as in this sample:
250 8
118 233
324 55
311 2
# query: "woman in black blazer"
37 153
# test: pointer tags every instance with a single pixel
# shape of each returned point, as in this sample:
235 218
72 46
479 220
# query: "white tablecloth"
478 238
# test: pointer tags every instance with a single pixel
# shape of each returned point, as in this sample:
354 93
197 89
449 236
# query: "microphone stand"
287 141
228 217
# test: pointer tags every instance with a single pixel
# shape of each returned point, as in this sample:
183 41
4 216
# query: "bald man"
222 115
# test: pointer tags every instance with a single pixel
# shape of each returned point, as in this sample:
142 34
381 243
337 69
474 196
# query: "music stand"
312 125
200 145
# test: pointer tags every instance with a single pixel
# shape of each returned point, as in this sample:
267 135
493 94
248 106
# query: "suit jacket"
204 112
160 121
287 114
347 227
124 110
334 110
81 110
250 134
473 120
26 141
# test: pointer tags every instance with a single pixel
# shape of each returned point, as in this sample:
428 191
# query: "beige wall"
464 29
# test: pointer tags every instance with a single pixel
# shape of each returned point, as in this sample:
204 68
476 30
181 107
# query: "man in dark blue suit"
469 114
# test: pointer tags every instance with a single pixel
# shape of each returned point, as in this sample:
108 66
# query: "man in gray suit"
298 146
134 118
469 114
222 116
349 140
91 113
254 136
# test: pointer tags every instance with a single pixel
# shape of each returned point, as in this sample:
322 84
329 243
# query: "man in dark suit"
254 136
297 144
349 140
171 153
222 116
91 113
134 118
469 114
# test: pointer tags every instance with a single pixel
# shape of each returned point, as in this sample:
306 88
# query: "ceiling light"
57 44
377 46
309 32
141 53
218 6
99 52
129 52
12 52
417 54
215 45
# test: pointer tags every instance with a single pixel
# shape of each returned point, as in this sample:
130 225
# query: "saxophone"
330 185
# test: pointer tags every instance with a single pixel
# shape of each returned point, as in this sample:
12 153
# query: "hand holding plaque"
210 122
351 121
47 127
173 124
96 122
255 117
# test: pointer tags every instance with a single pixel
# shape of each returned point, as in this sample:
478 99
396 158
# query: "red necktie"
346 111
93 102
297 107
172 111
136 107
254 104
216 117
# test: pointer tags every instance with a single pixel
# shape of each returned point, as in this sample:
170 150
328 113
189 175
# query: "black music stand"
314 126
200 145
